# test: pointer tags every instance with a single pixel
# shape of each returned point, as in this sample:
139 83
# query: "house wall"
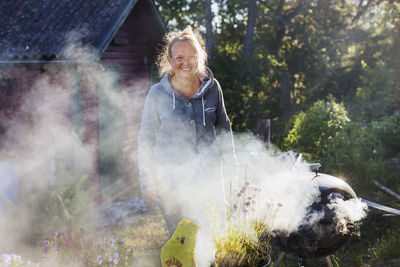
35 106
132 50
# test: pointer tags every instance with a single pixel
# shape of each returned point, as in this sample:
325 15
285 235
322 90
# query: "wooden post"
264 131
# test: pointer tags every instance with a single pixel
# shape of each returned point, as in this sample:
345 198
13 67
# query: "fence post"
264 131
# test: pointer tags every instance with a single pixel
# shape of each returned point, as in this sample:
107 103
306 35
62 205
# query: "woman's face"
184 60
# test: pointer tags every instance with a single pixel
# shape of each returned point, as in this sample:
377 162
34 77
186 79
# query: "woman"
184 133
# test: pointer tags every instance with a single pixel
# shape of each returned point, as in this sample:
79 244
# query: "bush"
316 130
388 129
359 149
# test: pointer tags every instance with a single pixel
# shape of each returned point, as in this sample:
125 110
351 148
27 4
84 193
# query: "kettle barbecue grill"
321 237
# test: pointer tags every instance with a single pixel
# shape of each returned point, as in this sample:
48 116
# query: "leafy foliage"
49 209
316 130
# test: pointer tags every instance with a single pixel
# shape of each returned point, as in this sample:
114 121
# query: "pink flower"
56 234
45 246
82 231
68 243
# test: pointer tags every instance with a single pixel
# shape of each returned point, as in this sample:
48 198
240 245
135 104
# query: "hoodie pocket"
210 113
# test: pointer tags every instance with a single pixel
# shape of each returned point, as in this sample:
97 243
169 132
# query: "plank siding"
133 50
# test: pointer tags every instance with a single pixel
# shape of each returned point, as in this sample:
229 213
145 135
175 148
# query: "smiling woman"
184 134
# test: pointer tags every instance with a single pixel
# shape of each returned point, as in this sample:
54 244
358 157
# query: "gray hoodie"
176 131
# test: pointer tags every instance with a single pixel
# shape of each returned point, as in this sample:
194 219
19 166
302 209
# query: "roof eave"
112 28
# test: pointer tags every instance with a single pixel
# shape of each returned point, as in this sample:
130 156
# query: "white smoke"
352 210
50 139
47 146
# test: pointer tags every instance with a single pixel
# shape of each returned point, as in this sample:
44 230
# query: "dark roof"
44 29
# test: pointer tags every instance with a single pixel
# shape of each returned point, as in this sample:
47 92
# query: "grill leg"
328 261
280 259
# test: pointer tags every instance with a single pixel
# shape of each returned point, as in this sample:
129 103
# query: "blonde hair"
187 35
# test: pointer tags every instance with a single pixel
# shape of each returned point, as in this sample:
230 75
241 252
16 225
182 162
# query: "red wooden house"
70 47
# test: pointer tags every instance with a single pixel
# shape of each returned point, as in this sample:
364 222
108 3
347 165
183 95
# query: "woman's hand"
148 196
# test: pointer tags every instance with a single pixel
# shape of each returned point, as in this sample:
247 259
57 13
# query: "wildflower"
56 246
110 258
45 246
374 151
115 261
247 203
249 197
99 260
247 183
280 205
81 231
68 243
239 194
6 259
235 206
56 234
